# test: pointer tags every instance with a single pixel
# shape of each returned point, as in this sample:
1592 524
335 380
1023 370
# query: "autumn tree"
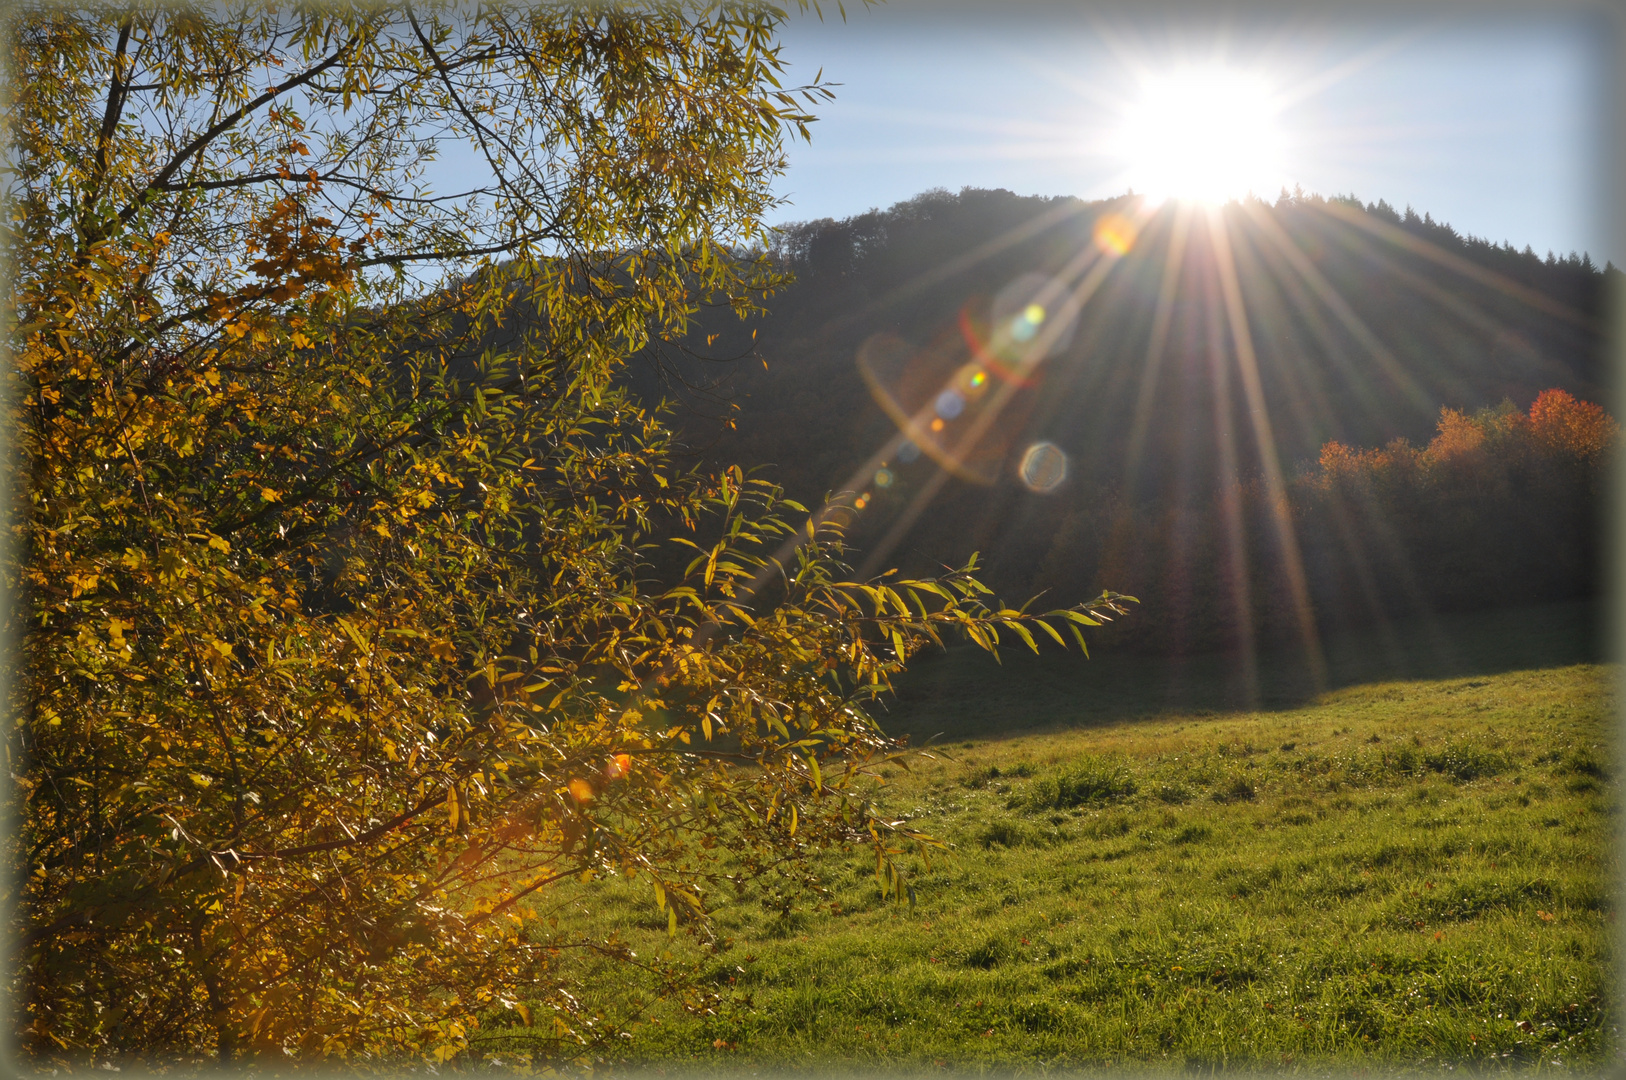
335 532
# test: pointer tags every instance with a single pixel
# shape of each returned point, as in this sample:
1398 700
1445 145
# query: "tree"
336 536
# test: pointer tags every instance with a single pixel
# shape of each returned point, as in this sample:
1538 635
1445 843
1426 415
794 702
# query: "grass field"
1393 875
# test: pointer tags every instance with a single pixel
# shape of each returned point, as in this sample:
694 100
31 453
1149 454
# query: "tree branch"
159 181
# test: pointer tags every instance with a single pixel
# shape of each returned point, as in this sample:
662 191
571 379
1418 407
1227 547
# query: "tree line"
1501 507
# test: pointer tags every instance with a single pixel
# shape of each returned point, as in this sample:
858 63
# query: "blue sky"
1491 122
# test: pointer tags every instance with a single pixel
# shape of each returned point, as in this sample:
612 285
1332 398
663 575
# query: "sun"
1202 133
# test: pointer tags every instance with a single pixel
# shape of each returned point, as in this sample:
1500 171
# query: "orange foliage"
1458 435
1338 460
1568 425
1558 422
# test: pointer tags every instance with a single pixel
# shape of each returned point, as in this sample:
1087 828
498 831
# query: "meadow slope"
1390 876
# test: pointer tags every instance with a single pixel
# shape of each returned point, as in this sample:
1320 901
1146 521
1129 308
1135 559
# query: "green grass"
1391 876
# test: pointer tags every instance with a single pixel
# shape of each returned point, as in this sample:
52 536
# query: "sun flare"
1204 134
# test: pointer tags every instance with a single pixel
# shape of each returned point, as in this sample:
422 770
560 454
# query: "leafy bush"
364 597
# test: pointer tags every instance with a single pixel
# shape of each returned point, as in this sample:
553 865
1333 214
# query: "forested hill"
1365 322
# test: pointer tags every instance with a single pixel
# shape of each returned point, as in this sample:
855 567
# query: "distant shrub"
1091 781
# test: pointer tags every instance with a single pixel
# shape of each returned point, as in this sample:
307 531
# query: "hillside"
1363 324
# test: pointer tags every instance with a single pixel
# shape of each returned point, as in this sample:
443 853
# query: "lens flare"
1027 323
977 339
1043 468
883 477
968 412
1115 234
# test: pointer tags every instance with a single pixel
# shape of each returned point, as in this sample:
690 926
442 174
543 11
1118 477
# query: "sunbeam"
1248 364
1233 532
1387 363
1162 315
1094 263
1471 315
1417 246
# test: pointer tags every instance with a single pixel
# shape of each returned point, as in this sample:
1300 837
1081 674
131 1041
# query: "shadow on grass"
964 693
